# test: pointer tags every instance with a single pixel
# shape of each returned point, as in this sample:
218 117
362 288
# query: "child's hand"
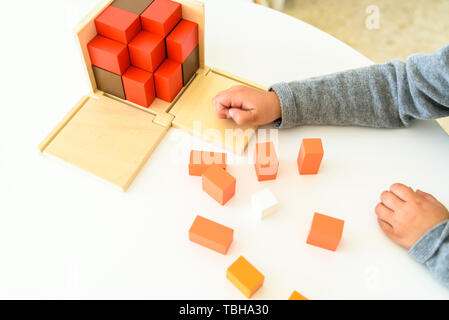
247 105
405 215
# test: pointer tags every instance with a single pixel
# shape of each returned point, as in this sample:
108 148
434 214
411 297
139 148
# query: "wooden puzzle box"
145 61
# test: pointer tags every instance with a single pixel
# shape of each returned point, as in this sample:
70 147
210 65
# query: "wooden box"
113 138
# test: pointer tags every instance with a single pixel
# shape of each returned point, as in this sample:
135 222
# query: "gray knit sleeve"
433 251
382 96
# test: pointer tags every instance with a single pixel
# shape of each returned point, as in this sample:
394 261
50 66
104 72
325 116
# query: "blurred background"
382 30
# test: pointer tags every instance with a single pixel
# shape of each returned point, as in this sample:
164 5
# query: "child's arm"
389 96
418 222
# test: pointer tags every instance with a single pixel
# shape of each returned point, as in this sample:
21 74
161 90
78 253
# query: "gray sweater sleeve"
382 96
433 251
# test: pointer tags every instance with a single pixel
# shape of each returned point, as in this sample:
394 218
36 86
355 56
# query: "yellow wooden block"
297 296
245 277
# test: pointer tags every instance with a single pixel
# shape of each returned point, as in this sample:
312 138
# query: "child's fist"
405 215
247 105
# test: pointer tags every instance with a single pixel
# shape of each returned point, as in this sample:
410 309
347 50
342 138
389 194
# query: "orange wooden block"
310 156
117 24
139 86
297 296
219 184
266 161
108 55
211 235
326 232
168 80
200 161
182 40
147 51
245 277
161 17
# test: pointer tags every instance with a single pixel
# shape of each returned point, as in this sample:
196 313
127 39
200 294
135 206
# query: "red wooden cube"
108 54
182 40
168 80
118 24
139 86
147 51
161 17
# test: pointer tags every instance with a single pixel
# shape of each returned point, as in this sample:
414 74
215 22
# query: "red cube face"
108 54
139 86
168 80
117 24
147 51
161 17
266 161
182 40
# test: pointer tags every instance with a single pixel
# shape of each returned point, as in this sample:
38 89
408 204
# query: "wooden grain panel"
194 112
158 105
444 123
62 124
108 139
239 79
193 10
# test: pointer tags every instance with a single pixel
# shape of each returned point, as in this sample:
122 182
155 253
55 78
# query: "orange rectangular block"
219 184
211 234
161 17
326 232
200 161
310 156
266 161
297 296
245 277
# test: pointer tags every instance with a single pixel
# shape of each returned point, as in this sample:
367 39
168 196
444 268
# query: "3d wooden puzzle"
145 61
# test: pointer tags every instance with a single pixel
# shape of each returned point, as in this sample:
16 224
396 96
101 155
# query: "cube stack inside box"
144 50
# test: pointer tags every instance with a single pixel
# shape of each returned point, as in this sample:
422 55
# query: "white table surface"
65 234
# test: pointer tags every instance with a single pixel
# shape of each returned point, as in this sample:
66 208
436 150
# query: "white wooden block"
264 203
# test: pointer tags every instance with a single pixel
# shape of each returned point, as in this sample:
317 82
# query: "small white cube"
264 203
